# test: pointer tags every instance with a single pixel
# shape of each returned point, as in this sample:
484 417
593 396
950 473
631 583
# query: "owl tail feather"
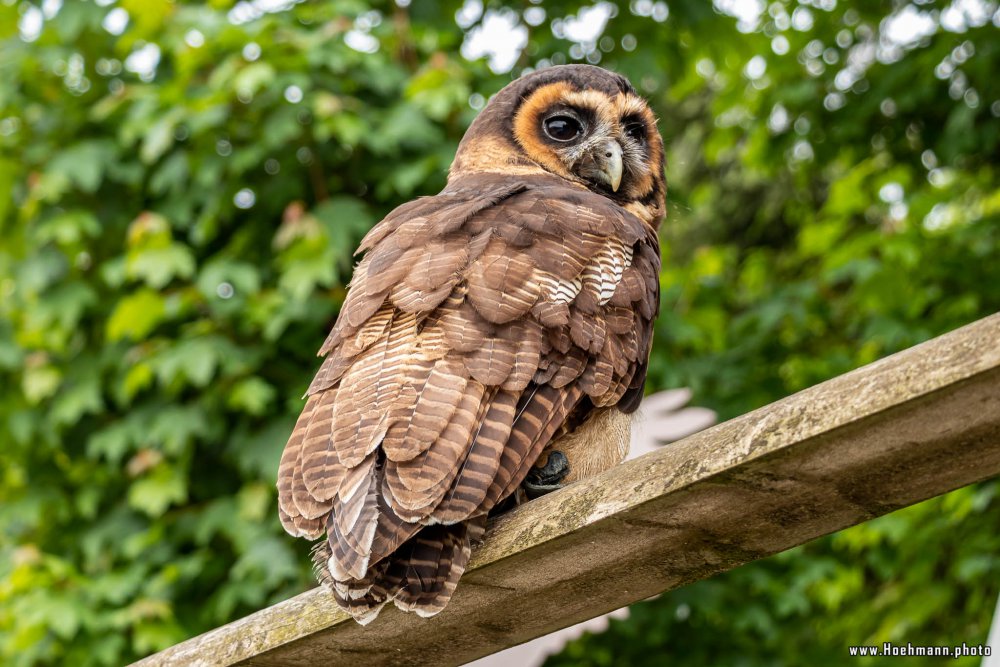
420 576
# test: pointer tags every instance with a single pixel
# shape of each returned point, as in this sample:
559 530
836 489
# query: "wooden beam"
898 431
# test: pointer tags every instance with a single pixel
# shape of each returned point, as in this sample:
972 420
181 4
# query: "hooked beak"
608 157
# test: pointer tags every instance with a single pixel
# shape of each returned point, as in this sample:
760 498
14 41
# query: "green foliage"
179 204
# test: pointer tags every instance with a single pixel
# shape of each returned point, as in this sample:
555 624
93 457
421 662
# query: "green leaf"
136 315
69 228
158 139
138 377
253 78
158 266
111 442
252 395
164 486
81 397
40 382
242 276
62 614
172 174
81 164
191 361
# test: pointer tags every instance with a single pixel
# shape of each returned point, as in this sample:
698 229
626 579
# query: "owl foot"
507 504
547 478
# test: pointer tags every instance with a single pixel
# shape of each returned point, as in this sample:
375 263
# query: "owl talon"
547 478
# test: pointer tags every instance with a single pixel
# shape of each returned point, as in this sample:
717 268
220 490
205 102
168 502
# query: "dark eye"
636 131
562 128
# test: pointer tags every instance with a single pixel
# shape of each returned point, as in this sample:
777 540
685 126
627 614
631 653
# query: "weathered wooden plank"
906 428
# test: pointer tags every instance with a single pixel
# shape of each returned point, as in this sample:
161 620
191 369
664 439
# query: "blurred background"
181 188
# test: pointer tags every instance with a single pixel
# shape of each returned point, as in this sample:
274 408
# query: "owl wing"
477 323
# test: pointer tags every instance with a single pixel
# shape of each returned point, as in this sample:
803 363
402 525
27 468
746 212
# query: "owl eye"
636 131
562 128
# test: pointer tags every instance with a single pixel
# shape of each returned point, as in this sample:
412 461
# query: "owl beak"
609 160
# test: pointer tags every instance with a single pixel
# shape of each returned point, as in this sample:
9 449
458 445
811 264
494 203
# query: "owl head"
582 123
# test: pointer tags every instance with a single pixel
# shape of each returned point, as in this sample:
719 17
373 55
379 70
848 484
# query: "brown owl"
492 345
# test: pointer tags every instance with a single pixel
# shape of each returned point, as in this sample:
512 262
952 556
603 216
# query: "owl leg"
547 478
